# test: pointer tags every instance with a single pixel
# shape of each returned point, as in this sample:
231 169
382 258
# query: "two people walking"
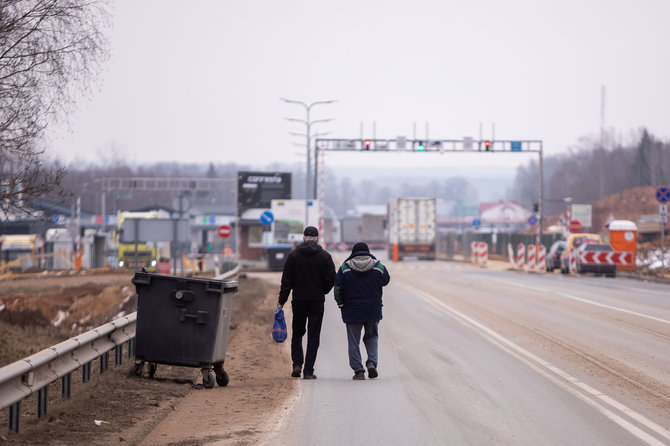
309 272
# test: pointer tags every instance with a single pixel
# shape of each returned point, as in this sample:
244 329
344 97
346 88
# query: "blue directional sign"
476 222
516 146
267 218
663 194
532 220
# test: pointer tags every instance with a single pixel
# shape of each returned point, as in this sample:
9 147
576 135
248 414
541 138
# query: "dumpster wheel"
207 378
136 370
152 370
222 378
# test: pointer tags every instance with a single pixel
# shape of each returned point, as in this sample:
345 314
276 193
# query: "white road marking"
581 390
586 301
653 318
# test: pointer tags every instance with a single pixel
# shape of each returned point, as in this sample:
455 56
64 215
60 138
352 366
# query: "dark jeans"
370 339
310 314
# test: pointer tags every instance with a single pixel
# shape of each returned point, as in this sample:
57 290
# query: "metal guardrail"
33 374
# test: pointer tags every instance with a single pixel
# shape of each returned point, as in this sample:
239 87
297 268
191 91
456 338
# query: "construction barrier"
520 255
510 253
483 254
530 261
573 261
479 253
542 259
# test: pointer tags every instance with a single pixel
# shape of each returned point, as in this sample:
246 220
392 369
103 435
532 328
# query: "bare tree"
50 50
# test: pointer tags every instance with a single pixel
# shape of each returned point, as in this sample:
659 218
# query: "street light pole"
308 124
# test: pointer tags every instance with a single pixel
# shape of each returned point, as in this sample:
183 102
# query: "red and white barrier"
483 254
573 261
607 257
530 261
520 255
480 253
542 259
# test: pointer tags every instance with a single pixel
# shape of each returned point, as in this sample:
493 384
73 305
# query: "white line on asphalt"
561 378
587 301
639 290
653 318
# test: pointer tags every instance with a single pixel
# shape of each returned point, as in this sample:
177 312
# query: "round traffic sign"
267 218
574 226
663 194
224 231
532 220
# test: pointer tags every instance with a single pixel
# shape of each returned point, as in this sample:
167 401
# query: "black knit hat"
360 246
311 231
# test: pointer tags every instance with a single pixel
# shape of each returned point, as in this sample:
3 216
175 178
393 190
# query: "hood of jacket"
309 248
362 262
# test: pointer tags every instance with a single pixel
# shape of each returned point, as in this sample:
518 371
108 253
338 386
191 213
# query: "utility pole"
308 124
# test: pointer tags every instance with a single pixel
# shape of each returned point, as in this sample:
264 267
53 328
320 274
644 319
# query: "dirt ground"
116 408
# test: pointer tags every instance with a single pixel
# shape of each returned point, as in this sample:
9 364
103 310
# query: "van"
573 242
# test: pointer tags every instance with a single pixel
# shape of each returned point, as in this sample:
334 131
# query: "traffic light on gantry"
420 147
487 145
366 144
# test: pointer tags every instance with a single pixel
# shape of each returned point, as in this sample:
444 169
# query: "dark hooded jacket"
309 271
358 288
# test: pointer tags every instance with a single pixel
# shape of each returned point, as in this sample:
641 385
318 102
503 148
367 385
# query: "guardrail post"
86 372
66 386
42 401
104 362
118 355
15 417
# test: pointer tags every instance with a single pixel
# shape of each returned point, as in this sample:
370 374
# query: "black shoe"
372 370
312 376
358 376
296 372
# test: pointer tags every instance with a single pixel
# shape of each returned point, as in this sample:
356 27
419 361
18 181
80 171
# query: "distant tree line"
590 172
342 193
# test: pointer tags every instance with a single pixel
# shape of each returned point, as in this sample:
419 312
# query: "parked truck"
412 227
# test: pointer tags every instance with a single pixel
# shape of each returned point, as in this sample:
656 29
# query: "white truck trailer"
412 228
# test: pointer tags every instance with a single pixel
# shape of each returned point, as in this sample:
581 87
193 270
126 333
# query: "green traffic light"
420 147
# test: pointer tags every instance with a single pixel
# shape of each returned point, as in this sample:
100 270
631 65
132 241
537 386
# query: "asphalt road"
473 356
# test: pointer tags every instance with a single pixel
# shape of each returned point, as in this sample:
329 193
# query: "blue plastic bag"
279 326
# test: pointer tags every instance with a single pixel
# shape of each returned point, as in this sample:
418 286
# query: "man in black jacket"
310 272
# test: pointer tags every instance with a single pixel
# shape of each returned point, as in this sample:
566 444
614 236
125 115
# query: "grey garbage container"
183 321
277 255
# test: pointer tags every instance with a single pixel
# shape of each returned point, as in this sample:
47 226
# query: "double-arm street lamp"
308 124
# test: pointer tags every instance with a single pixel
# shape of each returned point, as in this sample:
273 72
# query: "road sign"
476 222
532 220
574 226
267 218
515 146
224 231
663 194
663 212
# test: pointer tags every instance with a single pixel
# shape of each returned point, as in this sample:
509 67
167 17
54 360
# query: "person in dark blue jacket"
358 293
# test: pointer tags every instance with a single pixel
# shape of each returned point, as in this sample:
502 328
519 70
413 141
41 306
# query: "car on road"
597 267
554 256
573 242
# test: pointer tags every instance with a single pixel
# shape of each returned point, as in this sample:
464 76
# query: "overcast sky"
200 81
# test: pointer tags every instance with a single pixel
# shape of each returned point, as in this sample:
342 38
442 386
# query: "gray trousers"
370 340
